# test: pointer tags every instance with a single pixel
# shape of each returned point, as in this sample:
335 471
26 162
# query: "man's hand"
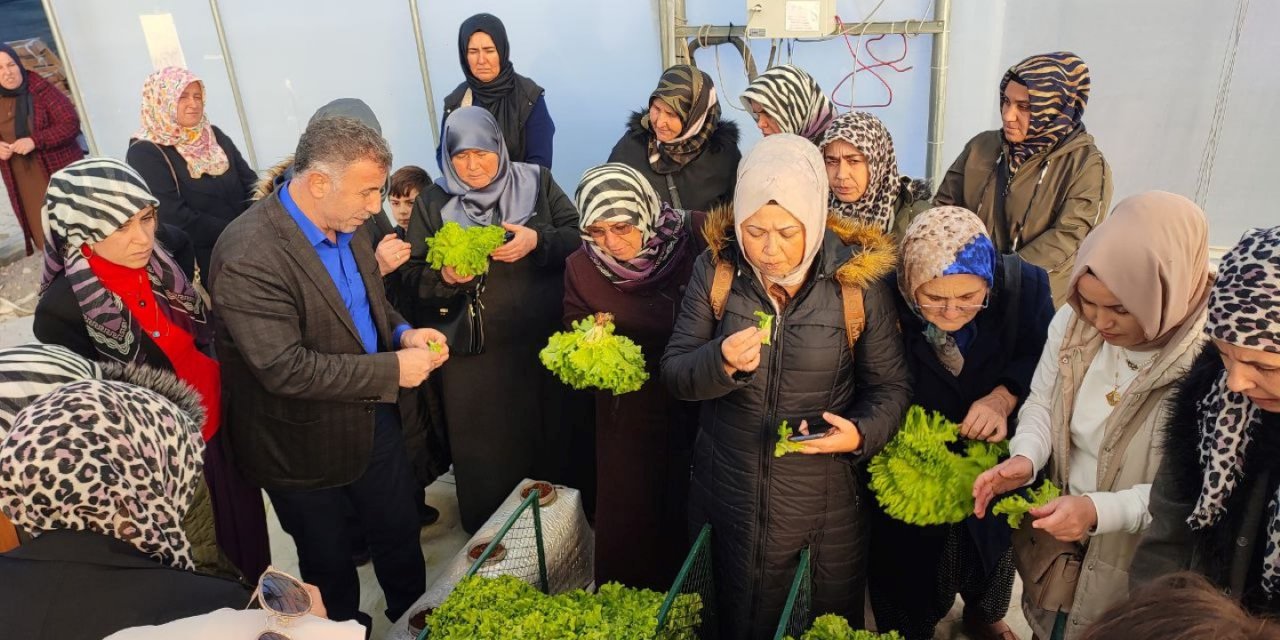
525 241
391 253
415 364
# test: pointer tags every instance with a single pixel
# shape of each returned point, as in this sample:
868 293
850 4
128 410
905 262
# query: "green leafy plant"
591 356
834 627
920 480
507 607
784 444
765 321
465 250
1016 506
435 347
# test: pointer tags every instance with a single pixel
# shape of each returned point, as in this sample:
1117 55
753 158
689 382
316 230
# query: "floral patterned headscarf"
197 144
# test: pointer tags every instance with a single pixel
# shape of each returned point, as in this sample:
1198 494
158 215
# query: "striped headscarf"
793 99
944 241
879 203
1244 310
690 93
197 145
109 457
615 192
86 202
32 370
1058 84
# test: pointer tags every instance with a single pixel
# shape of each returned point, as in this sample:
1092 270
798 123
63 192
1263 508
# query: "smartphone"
817 429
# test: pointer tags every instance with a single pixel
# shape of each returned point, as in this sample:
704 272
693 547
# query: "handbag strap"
675 193
172 173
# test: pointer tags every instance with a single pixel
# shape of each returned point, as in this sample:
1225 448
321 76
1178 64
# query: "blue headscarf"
945 241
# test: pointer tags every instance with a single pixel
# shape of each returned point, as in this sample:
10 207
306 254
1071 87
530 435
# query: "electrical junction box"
790 18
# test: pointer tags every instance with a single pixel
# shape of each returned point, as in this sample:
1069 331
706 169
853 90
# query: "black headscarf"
498 96
22 115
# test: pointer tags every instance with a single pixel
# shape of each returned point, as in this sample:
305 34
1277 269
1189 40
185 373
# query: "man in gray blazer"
313 357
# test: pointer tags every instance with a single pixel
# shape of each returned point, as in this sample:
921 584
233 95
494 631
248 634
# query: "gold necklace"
1114 395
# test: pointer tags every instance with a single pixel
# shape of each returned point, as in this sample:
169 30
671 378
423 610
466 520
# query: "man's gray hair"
331 144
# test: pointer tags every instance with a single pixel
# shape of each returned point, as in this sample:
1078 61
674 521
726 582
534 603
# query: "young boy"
406 183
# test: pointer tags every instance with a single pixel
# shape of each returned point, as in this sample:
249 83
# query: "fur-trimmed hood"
868 253
724 137
272 178
160 381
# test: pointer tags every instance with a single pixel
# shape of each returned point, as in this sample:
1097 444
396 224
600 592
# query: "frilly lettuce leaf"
591 356
465 250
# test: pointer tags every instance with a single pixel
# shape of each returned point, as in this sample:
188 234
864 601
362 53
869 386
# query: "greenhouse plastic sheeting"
567 538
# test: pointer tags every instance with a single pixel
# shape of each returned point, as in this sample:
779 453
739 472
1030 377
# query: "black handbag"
461 320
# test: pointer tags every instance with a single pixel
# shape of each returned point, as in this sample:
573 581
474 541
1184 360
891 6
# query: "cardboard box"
38 57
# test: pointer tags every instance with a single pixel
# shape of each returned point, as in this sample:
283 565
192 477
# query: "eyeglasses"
284 597
940 308
617 229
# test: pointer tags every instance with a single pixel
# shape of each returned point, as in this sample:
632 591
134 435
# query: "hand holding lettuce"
466 251
592 356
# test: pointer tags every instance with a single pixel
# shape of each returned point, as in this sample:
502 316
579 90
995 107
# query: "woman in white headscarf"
833 362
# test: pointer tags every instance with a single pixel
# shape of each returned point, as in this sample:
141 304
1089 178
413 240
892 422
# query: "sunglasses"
284 597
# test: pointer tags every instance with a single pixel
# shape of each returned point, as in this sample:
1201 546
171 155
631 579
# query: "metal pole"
938 92
422 67
85 127
235 84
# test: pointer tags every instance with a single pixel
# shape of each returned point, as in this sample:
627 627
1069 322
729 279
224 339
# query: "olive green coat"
1063 194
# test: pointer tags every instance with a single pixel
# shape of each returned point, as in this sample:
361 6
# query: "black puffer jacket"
765 510
703 183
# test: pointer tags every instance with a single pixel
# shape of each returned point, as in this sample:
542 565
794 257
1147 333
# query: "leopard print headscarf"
109 457
1244 310
879 202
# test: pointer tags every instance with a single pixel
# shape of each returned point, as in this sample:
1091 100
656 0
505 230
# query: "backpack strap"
855 318
720 285
1012 292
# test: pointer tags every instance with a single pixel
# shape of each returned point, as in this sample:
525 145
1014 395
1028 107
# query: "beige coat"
1129 457
1072 198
